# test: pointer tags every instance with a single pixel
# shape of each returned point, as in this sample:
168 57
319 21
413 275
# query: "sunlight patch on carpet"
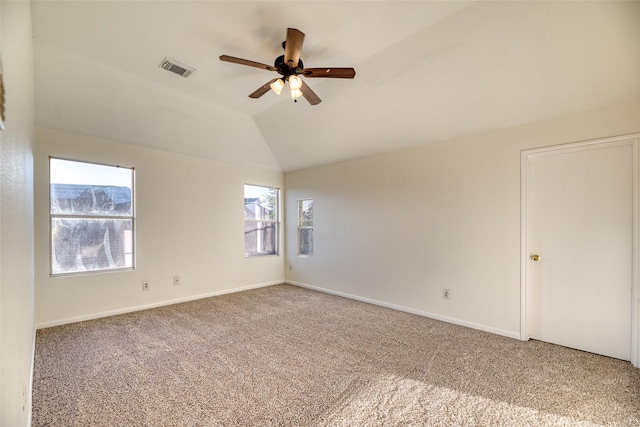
389 399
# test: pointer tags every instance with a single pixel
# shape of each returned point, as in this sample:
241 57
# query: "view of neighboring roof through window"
92 217
261 220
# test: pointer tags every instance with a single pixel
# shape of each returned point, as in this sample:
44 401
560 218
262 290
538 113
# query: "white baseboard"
152 305
472 325
497 331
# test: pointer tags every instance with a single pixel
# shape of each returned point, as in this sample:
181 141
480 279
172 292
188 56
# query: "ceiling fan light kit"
277 86
290 67
294 82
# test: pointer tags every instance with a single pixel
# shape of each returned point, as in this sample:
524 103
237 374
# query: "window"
91 216
261 220
305 227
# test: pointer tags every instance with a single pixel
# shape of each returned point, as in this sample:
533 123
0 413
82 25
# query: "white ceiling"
427 71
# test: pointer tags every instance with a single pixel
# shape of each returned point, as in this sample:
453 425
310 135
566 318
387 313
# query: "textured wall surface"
16 216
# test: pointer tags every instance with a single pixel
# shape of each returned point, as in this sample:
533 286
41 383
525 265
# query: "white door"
579 221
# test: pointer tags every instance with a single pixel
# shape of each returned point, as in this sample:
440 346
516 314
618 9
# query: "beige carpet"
286 356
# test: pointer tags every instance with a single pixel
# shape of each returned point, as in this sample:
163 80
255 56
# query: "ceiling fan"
290 67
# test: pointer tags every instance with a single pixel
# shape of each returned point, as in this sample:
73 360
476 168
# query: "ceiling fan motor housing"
285 70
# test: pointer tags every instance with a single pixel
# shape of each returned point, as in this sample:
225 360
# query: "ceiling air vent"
176 67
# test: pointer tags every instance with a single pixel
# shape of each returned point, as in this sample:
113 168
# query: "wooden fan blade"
293 46
309 95
227 58
262 90
334 73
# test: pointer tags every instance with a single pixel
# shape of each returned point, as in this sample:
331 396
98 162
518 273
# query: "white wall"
16 216
189 214
398 228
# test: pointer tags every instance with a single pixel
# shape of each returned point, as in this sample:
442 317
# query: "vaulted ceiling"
427 71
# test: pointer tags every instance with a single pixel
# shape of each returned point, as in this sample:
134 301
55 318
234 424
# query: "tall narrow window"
91 216
305 227
261 220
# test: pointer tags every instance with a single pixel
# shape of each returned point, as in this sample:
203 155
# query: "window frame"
276 222
304 227
131 217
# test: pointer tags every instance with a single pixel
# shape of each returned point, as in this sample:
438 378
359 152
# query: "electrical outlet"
446 294
176 280
145 285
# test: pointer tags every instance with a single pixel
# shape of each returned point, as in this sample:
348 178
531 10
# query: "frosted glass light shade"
295 83
277 86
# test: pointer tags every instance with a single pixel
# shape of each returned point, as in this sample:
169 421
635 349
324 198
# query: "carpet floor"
287 356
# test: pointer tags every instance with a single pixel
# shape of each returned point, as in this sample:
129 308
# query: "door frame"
525 155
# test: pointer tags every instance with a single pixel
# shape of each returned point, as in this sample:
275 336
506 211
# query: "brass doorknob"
535 257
